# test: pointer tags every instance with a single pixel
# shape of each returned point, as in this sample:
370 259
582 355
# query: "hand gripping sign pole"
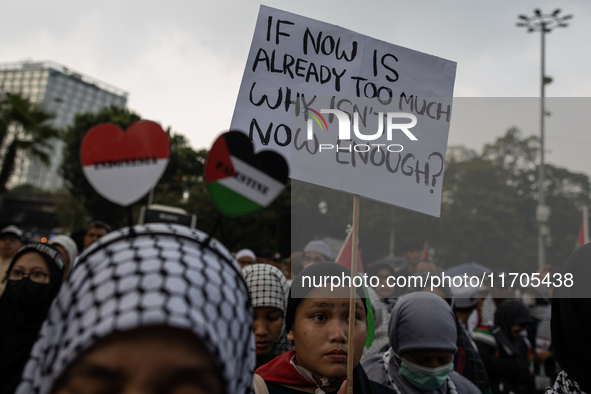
352 295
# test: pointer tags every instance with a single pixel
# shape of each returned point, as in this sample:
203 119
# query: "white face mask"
425 378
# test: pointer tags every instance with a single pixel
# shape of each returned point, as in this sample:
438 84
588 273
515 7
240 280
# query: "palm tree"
25 127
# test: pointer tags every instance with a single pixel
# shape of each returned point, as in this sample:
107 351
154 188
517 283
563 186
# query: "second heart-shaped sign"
123 166
240 182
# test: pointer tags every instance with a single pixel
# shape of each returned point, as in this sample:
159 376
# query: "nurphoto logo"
345 129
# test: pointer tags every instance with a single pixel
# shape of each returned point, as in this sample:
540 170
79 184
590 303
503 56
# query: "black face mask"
25 293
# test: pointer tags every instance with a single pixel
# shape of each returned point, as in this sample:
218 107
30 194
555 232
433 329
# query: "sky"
182 61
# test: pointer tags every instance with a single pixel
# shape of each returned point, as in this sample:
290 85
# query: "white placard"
298 64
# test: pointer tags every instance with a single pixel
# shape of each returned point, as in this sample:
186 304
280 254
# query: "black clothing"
467 361
571 318
23 308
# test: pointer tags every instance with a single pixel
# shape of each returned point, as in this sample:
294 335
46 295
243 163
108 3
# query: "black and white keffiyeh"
269 288
161 275
564 385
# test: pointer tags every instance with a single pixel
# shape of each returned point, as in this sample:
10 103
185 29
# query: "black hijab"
511 313
23 308
571 318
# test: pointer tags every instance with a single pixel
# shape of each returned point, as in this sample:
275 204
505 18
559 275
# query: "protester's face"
320 333
412 256
383 289
245 261
429 358
313 257
93 234
9 244
266 327
31 265
144 361
516 330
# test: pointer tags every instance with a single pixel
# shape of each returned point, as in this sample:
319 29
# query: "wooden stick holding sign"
352 295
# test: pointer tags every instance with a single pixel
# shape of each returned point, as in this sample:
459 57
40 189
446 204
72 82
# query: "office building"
62 92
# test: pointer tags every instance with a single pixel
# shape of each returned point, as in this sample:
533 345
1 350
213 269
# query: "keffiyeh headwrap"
564 385
268 288
161 275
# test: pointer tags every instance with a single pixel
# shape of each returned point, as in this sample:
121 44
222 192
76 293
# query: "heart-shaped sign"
123 166
240 182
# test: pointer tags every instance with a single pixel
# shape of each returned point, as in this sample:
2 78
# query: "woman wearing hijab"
423 336
268 292
33 278
317 321
163 309
571 319
505 352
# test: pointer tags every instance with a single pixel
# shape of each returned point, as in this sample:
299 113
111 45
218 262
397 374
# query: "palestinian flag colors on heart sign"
240 182
123 166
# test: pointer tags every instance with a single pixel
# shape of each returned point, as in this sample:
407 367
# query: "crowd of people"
162 308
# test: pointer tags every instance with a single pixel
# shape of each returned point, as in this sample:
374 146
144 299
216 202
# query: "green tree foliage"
566 193
487 215
490 202
24 127
483 218
183 173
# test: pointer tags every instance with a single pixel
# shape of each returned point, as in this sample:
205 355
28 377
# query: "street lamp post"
544 23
